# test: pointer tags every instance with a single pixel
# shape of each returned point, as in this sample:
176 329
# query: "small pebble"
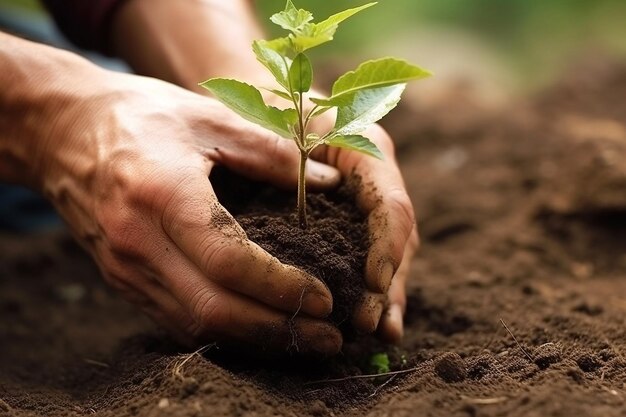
164 403
451 367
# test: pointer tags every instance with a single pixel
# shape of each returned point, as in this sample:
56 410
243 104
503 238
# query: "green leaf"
279 93
281 45
300 74
379 363
310 35
366 107
277 64
247 101
291 18
329 26
373 74
356 143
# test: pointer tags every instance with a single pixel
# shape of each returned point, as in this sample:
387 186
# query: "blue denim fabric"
22 210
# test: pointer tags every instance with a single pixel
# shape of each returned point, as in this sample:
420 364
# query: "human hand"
392 227
129 173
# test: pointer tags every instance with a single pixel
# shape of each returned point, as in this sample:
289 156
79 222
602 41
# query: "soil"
516 303
333 247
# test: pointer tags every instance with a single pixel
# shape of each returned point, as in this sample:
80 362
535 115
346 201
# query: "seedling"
379 363
360 97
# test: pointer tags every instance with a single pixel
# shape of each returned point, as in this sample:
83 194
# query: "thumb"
275 160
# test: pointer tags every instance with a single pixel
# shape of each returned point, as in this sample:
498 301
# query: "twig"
178 368
96 363
367 376
484 401
516 341
381 386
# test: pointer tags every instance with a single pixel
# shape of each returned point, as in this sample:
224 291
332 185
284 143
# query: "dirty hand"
126 163
392 229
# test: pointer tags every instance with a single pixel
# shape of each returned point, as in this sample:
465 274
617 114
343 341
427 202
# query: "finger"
208 235
265 156
367 314
383 196
222 315
391 327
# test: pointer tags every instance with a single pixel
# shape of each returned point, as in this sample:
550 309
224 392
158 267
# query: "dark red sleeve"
85 22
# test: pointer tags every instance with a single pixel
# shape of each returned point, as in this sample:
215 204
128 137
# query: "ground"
516 303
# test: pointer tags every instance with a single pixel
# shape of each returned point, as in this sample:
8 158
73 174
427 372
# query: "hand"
128 172
393 232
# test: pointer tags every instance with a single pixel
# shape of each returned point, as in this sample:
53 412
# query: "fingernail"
317 304
368 316
386 275
324 339
322 172
396 323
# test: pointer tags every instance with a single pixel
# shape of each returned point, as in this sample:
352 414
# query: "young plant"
361 97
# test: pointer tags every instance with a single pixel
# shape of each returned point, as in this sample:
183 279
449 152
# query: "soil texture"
516 302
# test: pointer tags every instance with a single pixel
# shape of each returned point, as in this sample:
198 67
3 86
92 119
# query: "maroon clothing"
84 22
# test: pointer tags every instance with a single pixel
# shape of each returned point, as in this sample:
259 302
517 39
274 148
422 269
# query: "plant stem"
302 190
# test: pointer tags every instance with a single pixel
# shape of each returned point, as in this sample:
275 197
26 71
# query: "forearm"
188 41
41 89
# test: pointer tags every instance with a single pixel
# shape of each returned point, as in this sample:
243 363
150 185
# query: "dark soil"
333 247
523 222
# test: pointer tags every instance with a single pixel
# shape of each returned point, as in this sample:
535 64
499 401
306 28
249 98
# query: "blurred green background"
523 43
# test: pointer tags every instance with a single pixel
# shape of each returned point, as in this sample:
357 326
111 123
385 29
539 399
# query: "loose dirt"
523 223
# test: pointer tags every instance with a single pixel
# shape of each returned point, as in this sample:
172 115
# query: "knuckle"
401 205
211 312
218 256
279 154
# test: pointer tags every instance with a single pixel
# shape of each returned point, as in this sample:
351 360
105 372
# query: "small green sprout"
360 97
379 363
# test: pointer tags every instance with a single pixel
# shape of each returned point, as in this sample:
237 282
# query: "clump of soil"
333 247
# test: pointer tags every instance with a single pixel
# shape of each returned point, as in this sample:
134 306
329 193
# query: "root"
292 329
177 368
515 339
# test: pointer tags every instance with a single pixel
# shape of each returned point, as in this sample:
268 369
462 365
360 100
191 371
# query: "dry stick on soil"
96 363
381 386
515 338
369 376
484 401
177 370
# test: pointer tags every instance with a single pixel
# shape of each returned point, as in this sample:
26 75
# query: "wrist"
45 90
216 40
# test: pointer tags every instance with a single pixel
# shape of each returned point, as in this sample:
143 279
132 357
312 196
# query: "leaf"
373 74
300 74
277 64
281 45
310 35
366 107
292 19
356 143
247 101
379 363
329 26
279 93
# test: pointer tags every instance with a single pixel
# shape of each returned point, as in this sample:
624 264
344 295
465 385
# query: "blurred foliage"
527 36
536 36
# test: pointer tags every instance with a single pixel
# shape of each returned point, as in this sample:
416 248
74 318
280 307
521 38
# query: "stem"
307 120
302 191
